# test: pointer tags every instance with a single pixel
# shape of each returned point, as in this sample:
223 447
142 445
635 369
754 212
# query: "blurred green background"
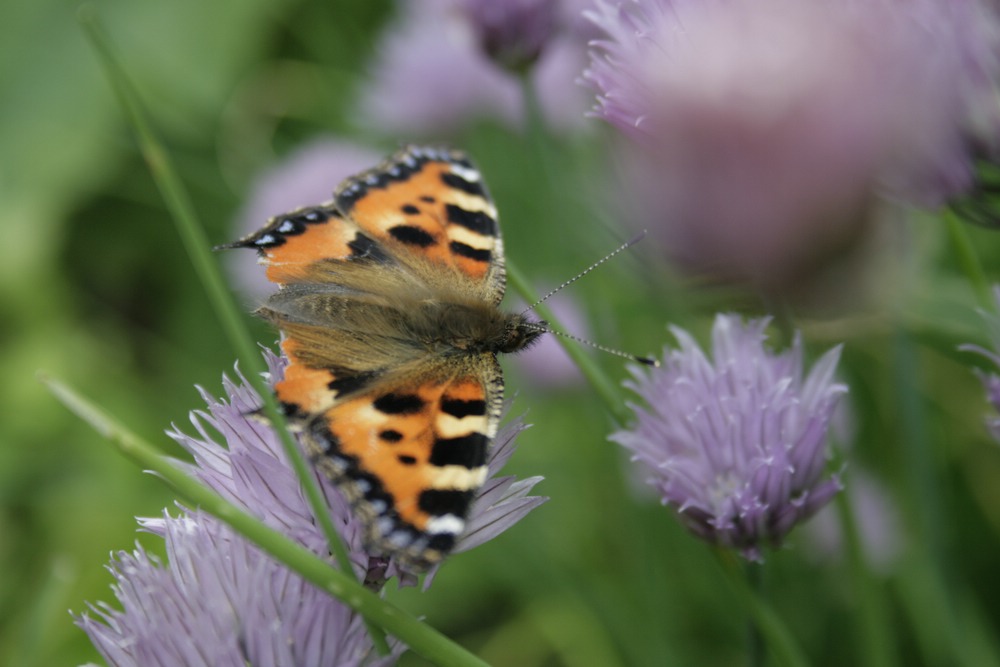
96 289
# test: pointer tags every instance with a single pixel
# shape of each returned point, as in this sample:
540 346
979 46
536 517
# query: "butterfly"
388 301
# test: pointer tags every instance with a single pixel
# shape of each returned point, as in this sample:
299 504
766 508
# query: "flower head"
760 132
512 33
736 443
431 74
219 599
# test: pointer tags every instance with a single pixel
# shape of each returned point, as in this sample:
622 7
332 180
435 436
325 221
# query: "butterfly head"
520 333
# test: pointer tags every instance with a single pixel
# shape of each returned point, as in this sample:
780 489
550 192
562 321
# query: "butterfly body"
388 301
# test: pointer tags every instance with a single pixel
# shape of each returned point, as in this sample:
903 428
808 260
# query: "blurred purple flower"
879 524
220 600
431 77
736 444
513 33
763 130
307 176
991 381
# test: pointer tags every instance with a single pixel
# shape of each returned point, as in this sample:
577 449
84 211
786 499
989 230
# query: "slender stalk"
420 637
755 643
534 119
775 635
541 147
931 572
875 636
922 483
230 315
968 259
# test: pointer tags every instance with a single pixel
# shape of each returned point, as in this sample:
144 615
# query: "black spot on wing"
427 198
406 459
409 209
438 502
365 247
411 235
459 183
476 221
290 410
465 250
467 450
347 384
391 435
458 408
399 404
443 542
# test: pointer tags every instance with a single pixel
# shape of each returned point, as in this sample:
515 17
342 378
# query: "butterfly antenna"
631 242
647 361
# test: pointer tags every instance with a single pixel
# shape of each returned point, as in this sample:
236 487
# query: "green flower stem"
968 259
604 387
980 638
777 638
418 636
929 571
537 133
542 147
922 483
207 268
875 636
755 642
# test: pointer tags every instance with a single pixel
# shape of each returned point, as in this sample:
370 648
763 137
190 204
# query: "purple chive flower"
431 76
760 133
512 33
991 381
220 600
736 443
307 176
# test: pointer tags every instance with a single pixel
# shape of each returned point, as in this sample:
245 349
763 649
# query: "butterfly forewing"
291 244
431 203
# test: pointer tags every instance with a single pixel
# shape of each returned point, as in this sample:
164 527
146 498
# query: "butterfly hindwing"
411 456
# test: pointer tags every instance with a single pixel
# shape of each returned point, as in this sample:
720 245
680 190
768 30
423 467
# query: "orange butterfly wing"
290 245
408 452
433 203
411 460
